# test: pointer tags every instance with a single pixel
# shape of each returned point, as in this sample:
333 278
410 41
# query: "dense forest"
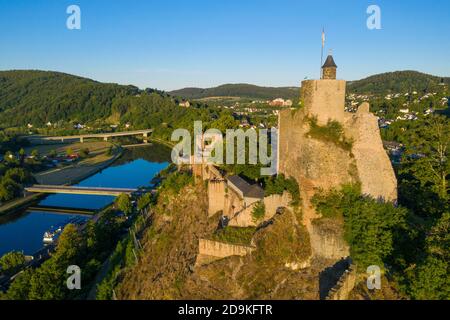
238 90
39 96
396 82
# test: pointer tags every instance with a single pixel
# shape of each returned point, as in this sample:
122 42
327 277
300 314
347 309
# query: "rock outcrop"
321 164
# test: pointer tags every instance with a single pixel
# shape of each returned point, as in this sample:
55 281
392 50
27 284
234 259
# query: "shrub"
279 184
235 235
177 181
259 211
331 132
369 225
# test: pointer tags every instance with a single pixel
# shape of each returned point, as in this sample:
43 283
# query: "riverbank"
69 175
73 174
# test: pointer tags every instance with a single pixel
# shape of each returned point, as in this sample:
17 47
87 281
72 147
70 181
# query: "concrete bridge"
105 136
63 210
80 190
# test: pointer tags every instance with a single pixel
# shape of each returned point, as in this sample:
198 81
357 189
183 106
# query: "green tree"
9 189
124 204
69 151
18 175
369 225
427 157
49 281
224 122
430 279
20 287
11 260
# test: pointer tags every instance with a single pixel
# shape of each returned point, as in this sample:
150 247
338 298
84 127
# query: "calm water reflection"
23 232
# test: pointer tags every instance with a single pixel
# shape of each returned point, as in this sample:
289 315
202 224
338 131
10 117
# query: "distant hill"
238 90
36 97
31 96
384 83
393 82
41 96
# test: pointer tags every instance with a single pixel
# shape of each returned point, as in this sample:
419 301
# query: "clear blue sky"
172 44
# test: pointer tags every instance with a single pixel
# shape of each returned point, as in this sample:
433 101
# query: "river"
23 231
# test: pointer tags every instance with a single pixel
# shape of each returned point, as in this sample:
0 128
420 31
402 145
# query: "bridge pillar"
81 140
105 138
145 135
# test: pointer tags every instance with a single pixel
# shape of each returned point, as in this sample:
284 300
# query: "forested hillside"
40 96
238 90
37 97
396 82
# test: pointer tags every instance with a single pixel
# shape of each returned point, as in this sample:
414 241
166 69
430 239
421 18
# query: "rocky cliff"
278 267
323 161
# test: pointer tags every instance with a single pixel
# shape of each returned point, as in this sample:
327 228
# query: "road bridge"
105 136
63 210
97 191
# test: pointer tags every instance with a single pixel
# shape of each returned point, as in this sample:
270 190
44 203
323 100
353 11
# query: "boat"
51 236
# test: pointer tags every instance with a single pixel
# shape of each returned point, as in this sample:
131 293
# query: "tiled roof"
329 63
251 191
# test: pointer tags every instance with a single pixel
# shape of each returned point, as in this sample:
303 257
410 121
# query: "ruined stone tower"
325 99
320 164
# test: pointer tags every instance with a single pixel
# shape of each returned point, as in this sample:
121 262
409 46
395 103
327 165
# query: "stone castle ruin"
317 163
320 164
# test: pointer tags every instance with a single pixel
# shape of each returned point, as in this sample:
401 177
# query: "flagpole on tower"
321 53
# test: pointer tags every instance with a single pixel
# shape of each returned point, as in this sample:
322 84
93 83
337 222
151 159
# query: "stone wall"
216 196
324 99
221 249
327 239
315 164
345 285
271 203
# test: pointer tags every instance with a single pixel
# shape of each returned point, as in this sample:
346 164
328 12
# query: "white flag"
323 38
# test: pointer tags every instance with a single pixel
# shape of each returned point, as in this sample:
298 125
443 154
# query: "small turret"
329 69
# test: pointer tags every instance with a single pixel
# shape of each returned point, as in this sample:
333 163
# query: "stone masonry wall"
345 285
324 99
327 239
222 250
216 196
271 203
